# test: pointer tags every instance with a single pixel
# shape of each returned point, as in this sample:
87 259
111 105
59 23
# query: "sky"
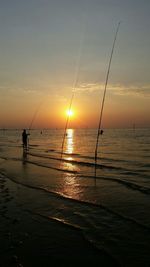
51 50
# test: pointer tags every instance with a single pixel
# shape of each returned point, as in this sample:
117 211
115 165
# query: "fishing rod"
35 113
78 63
66 126
100 131
33 119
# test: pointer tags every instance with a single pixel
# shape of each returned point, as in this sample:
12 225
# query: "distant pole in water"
100 131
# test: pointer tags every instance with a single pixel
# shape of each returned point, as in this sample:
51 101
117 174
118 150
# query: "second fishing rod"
100 131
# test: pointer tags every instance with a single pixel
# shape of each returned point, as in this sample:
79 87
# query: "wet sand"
29 240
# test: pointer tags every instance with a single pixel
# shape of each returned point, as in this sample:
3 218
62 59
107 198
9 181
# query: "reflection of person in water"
25 138
24 157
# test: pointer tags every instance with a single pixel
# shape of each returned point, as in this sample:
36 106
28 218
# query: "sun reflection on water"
69 149
71 186
69 142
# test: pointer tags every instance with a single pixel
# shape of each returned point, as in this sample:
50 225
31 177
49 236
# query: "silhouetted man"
25 138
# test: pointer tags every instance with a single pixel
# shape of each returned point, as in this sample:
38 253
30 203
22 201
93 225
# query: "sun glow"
70 113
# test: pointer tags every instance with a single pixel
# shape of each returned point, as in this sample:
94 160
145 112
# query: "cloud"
19 90
4 88
117 89
60 98
137 90
89 87
132 90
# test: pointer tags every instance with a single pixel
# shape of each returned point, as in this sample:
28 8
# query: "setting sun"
70 113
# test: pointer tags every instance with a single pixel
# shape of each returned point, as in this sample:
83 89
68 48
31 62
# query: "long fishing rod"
33 119
66 126
34 116
103 100
78 63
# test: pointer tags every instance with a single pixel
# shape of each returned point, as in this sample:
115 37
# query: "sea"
108 202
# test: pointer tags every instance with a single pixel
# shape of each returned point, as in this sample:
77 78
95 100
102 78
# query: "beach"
30 240
55 212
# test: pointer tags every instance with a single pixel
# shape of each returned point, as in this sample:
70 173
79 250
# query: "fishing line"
103 100
78 64
34 117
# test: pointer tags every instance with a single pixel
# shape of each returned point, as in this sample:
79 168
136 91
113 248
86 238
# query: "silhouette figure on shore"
25 139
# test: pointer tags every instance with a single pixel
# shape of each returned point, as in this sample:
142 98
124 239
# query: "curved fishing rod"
103 100
35 114
78 63
66 126
33 119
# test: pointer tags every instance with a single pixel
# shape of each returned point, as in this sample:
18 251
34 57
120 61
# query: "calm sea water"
111 209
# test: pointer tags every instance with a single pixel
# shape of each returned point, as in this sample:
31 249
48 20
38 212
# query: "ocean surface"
109 204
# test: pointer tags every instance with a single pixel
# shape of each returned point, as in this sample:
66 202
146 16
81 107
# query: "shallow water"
111 208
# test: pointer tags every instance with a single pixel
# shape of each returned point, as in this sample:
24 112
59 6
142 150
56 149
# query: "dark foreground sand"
29 240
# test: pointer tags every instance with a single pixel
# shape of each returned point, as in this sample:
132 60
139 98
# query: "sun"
70 113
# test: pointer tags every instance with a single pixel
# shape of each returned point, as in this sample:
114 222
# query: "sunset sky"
47 46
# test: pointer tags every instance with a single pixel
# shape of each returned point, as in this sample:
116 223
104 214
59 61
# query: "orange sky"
47 49
120 110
